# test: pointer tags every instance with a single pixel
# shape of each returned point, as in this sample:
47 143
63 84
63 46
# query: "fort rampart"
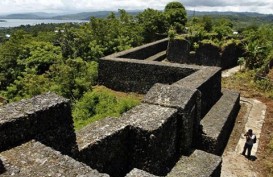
183 122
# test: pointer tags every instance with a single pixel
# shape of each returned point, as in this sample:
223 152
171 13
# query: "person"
250 140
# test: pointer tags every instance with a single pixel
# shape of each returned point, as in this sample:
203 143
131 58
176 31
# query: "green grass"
100 103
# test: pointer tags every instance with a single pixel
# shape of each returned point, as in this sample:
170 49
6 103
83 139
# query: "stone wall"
132 75
187 102
196 165
147 133
208 54
144 51
34 159
208 82
178 51
157 138
46 118
230 55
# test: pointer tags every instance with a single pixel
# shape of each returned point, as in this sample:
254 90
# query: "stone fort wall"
184 121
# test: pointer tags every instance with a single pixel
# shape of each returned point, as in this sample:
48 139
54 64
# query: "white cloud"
18 6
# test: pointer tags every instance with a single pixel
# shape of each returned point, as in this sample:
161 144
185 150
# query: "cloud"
18 6
265 6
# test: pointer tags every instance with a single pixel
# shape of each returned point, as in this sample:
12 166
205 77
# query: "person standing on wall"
250 140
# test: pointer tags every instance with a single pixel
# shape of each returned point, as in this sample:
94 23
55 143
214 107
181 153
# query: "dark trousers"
248 148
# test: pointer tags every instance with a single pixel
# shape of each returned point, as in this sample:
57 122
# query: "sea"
8 23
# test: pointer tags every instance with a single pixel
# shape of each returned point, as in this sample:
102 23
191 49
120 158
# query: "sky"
72 6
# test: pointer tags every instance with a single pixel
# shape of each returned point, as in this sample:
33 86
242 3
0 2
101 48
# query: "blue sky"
67 6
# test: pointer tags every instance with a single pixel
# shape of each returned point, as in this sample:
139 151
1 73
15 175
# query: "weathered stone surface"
2 168
46 118
218 123
198 164
208 81
138 75
144 51
97 131
153 137
171 96
178 51
144 137
208 55
187 101
104 146
34 159
139 173
230 55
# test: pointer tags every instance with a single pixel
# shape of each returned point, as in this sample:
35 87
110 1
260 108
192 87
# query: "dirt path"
235 164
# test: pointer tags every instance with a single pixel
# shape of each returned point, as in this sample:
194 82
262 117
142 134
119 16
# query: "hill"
100 14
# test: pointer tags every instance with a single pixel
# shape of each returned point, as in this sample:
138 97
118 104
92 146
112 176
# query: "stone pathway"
234 164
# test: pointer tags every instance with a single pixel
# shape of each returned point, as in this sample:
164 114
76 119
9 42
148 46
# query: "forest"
63 58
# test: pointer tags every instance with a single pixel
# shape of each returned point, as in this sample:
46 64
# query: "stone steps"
218 123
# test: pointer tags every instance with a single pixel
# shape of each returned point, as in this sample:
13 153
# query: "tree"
39 55
73 77
153 23
9 53
176 15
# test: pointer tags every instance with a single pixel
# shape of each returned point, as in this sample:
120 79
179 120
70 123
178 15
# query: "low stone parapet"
208 81
103 145
187 102
46 118
153 137
144 137
199 163
139 75
34 159
218 123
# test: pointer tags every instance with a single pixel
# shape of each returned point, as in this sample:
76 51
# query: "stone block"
187 101
139 173
34 159
199 163
208 55
218 123
230 55
103 145
178 51
208 81
46 118
153 137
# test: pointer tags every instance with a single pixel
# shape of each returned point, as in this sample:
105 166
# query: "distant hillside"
82 16
22 16
87 15
234 15
101 14
36 15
